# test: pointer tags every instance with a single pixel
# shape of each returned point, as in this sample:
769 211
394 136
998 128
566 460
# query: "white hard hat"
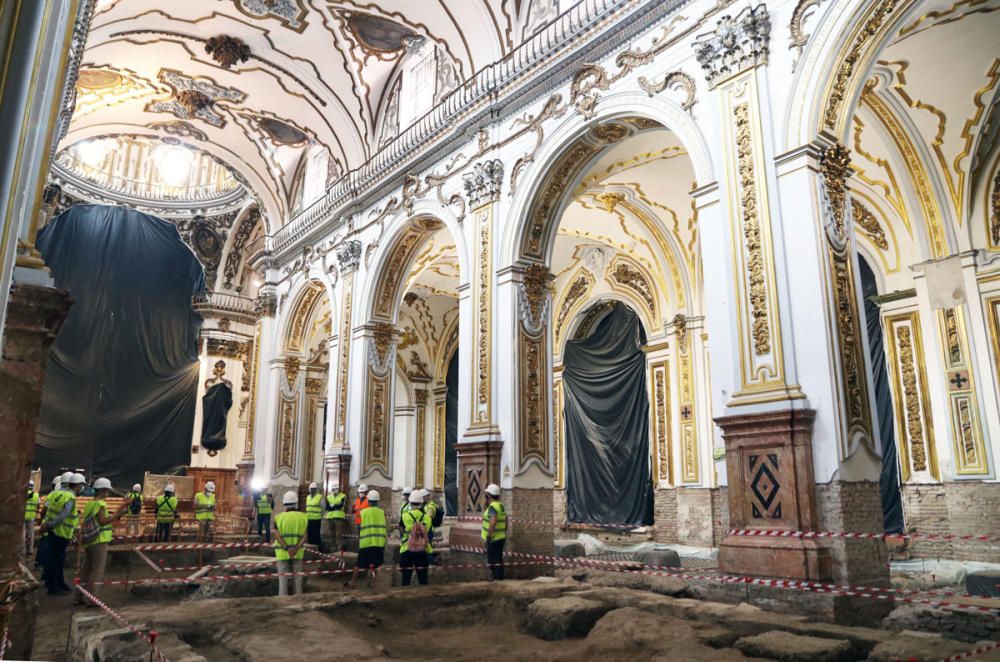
31 483
290 499
313 486
102 484
57 480
362 488
137 488
407 491
168 488
416 497
209 486
493 489
66 476
374 495
77 479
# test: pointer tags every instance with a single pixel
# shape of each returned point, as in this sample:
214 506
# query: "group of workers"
418 518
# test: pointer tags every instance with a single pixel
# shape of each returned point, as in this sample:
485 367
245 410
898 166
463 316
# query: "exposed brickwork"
559 506
694 517
665 515
959 508
720 510
853 506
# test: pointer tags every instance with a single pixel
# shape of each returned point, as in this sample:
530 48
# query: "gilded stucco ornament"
995 211
382 348
533 298
835 166
866 221
266 304
482 185
737 44
349 256
227 50
292 366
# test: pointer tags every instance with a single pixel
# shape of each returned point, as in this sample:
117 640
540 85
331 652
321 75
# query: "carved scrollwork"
382 348
866 221
534 297
835 166
673 80
995 211
292 366
349 256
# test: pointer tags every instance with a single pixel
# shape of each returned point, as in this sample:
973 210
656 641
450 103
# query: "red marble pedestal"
478 466
34 316
769 463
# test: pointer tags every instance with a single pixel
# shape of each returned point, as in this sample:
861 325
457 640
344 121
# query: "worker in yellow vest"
371 543
314 513
204 511
30 514
133 518
289 538
494 531
336 519
166 513
95 533
59 526
263 505
415 547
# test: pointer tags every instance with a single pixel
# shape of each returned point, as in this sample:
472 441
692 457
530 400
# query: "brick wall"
720 509
853 506
559 507
694 517
665 515
529 505
958 508
925 510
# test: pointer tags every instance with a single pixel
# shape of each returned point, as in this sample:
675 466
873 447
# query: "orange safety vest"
359 505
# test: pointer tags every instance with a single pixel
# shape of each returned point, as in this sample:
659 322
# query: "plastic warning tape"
902 595
150 562
171 547
121 619
979 650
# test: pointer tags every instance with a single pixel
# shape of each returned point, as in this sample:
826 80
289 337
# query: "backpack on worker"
438 519
418 538
90 529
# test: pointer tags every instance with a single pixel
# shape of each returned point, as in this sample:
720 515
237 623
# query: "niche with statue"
215 405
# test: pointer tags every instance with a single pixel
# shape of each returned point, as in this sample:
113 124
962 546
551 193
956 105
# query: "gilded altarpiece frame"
762 370
968 443
914 422
659 420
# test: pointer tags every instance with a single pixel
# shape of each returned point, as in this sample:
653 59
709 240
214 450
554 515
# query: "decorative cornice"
737 44
266 304
349 256
482 185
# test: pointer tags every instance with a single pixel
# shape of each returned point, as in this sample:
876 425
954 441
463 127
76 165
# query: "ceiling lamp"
173 164
92 152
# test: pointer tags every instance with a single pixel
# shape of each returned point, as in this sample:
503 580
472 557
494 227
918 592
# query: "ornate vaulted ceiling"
257 83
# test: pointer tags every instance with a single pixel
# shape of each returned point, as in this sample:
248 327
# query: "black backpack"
438 517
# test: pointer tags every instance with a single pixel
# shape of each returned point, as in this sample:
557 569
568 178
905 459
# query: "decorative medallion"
282 133
380 37
290 12
91 80
227 50
193 101
194 98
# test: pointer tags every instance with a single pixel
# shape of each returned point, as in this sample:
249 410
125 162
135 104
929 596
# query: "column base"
776 557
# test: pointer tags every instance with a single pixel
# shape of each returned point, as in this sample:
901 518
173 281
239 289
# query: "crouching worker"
371 545
95 533
289 539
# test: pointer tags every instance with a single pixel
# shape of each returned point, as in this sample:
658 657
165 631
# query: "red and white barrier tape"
150 562
151 637
216 566
979 650
186 546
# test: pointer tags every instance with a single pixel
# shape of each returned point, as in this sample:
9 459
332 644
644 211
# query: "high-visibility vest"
359 505
314 506
263 505
432 509
405 508
31 507
335 503
500 529
292 525
410 517
373 532
56 503
134 503
166 508
204 506
93 509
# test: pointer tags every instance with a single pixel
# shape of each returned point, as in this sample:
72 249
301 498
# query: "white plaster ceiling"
319 67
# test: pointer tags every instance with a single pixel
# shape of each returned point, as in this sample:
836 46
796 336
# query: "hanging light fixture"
173 164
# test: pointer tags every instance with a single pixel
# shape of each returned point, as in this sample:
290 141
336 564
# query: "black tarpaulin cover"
121 380
215 406
608 478
451 438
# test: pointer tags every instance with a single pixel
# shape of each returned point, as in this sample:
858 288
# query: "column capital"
482 185
737 44
349 256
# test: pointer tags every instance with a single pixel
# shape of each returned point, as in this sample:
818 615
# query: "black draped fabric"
607 424
215 406
122 378
451 438
892 504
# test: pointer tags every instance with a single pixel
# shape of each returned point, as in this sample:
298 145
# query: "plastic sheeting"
215 405
608 476
122 378
451 438
892 505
